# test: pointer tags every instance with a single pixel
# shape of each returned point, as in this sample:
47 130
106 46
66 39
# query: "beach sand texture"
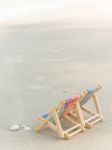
41 64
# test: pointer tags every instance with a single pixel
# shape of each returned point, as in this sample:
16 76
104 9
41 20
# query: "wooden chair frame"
56 124
95 116
75 116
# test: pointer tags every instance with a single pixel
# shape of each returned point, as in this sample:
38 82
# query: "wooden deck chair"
94 116
57 118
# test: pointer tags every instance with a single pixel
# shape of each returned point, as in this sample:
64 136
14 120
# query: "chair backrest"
68 105
88 94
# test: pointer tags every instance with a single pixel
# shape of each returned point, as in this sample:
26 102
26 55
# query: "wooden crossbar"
92 118
72 128
68 136
95 121
77 131
88 111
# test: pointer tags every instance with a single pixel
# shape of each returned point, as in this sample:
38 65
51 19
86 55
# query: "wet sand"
41 64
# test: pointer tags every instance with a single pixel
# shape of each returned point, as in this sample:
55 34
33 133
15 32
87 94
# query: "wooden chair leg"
38 128
46 123
80 115
58 124
97 106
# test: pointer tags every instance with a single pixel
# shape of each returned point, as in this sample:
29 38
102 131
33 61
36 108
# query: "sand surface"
39 65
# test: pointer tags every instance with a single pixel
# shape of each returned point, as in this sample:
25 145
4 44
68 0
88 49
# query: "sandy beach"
43 63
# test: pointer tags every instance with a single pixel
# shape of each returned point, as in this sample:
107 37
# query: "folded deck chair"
94 117
59 116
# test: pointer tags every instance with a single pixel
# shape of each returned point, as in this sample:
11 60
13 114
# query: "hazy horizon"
89 12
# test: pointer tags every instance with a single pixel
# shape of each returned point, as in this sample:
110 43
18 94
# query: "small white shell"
14 127
27 128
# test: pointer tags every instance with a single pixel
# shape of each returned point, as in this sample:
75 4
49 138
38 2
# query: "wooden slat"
88 111
91 118
72 128
76 132
95 121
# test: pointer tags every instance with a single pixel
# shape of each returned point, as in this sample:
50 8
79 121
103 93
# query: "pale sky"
43 10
